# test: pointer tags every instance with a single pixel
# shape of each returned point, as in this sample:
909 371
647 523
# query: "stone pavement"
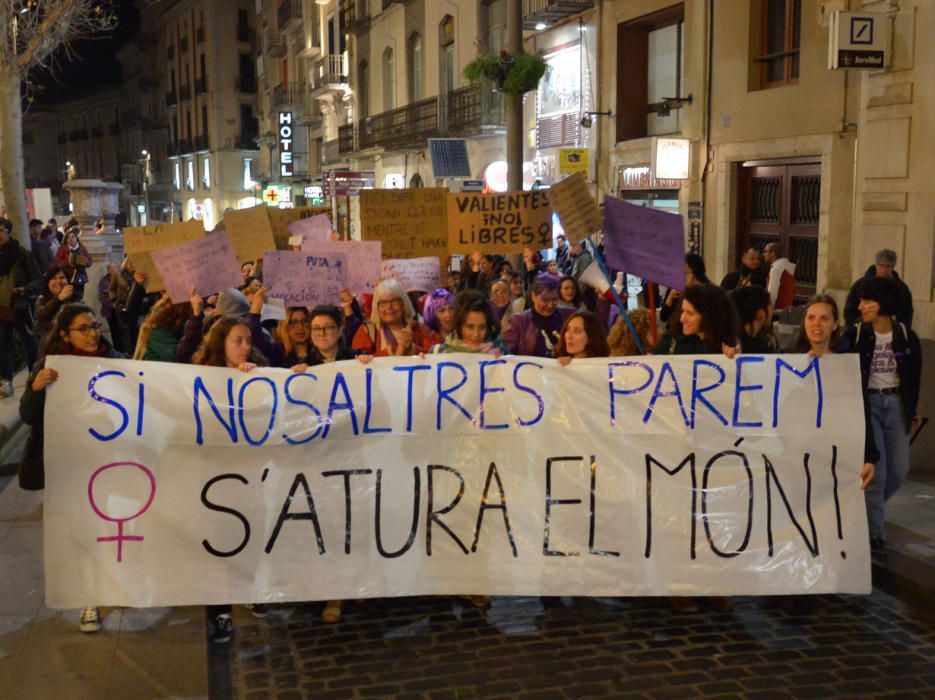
827 646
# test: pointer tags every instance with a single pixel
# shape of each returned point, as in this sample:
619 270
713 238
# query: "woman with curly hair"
161 331
708 324
620 339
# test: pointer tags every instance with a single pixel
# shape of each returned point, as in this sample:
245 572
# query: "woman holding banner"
535 331
75 331
708 324
475 328
393 328
227 344
582 336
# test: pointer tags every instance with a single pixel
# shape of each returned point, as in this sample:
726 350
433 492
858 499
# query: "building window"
446 41
558 99
778 23
363 90
389 80
177 176
650 66
493 24
190 176
206 173
415 68
248 184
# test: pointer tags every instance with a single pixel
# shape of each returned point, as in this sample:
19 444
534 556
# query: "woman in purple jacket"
535 331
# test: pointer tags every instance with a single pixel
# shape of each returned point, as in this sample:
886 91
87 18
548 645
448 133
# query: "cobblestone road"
828 646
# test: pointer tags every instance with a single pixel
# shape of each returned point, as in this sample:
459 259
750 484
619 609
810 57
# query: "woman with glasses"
499 298
535 331
293 344
439 312
75 331
393 328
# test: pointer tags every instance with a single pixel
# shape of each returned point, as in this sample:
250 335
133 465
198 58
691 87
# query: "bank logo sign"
857 40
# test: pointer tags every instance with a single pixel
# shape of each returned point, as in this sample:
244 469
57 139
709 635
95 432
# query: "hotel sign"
285 144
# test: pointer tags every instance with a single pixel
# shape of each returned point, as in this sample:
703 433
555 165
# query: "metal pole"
513 104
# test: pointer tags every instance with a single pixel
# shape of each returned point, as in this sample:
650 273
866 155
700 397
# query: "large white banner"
174 484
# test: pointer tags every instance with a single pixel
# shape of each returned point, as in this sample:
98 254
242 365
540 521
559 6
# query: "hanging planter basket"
514 74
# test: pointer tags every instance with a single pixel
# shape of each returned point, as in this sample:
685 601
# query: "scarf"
100 352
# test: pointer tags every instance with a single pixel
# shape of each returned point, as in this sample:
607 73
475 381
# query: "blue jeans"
30 344
889 432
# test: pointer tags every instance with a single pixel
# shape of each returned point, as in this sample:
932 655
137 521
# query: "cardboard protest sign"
314 228
250 232
409 223
280 219
304 279
208 264
363 261
140 241
646 242
576 208
463 475
415 274
499 223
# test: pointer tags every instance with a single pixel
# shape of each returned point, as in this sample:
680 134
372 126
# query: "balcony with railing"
171 99
202 143
200 35
404 127
201 86
551 11
275 43
328 75
246 84
183 44
245 35
355 15
289 15
473 110
185 146
289 94
114 129
185 92
342 145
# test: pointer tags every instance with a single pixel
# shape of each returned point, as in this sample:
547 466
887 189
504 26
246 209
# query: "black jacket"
861 339
904 314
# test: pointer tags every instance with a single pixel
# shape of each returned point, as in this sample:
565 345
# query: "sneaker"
260 610
6 389
90 620
223 629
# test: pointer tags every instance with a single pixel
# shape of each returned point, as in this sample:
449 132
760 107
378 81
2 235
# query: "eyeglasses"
87 329
324 330
389 302
295 323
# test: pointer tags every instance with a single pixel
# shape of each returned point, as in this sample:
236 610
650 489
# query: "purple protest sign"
305 279
644 242
314 228
363 261
208 264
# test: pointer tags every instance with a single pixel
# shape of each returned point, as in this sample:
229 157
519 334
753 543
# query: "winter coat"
73 263
781 283
521 335
17 269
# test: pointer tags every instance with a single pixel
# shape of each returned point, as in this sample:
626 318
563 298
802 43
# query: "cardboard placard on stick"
140 241
251 232
576 208
645 242
281 218
409 223
499 223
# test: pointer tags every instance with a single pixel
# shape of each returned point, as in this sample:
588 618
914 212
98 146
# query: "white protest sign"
208 264
304 279
415 274
363 261
453 474
273 310
314 228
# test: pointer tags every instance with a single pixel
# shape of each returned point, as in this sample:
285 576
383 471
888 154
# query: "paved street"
829 646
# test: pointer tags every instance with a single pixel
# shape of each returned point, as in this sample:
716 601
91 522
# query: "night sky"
94 67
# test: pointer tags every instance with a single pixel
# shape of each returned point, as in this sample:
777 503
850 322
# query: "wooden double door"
779 202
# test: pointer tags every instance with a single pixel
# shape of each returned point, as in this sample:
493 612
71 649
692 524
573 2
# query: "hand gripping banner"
454 474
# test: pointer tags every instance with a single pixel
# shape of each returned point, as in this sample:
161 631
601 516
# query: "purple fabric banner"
645 242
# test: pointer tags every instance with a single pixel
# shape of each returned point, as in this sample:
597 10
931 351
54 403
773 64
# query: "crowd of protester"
540 310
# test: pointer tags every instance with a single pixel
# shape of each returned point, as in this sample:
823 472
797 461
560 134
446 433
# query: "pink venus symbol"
120 537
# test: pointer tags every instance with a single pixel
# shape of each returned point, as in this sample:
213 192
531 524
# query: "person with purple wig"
439 312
